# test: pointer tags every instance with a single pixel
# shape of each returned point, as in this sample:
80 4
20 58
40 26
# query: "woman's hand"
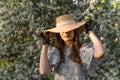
44 39
89 25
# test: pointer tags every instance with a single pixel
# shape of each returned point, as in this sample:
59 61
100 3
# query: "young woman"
68 57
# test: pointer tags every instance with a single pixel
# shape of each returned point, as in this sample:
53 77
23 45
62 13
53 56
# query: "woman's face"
67 36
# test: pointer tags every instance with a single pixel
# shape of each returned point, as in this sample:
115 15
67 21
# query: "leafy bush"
22 20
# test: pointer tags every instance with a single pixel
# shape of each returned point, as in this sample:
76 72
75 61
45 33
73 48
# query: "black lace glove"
44 39
89 25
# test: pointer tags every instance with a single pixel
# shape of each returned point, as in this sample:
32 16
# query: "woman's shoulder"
86 45
86 54
52 49
86 49
83 46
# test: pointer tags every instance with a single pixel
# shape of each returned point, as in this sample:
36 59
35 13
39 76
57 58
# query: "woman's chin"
67 40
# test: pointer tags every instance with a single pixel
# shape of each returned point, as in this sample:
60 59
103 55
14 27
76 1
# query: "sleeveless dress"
69 70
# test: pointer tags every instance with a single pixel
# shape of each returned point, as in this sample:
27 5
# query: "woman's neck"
68 44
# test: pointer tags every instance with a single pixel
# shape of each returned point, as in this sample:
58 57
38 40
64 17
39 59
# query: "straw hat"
65 23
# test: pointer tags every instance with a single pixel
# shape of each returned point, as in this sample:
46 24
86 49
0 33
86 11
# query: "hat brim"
52 32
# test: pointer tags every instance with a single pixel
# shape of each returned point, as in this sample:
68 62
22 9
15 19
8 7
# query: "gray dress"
69 70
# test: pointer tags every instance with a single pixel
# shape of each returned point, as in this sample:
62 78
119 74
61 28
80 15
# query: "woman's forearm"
98 47
44 67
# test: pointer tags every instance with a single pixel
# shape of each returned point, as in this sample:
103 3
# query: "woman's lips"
66 36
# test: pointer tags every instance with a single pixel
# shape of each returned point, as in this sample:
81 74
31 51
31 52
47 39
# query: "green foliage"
22 20
116 4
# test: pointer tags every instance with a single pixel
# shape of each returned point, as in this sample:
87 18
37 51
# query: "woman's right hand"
44 39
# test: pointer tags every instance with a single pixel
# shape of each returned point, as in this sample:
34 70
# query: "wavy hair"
59 43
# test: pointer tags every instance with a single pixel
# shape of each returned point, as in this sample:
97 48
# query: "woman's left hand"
89 25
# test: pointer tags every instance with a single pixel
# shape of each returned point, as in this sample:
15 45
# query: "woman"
68 58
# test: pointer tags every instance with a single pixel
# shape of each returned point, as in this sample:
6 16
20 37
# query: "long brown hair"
59 43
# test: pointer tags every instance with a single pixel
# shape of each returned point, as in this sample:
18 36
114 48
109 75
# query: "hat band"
65 23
